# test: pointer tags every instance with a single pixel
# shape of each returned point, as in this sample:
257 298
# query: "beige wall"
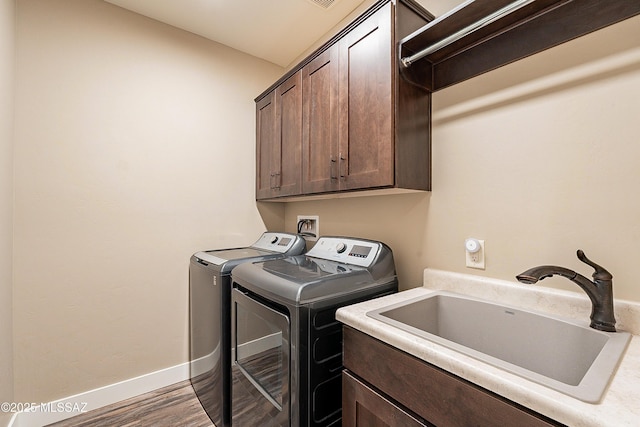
538 158
7 64
134 149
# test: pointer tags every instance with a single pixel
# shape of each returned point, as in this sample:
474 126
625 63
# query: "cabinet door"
279 140
363 407
289 130
267 145
320 123
366 147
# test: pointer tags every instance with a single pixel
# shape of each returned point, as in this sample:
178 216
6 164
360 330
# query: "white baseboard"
71 406
205 363
259 345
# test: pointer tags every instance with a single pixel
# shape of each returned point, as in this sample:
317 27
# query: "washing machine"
287 343
210 316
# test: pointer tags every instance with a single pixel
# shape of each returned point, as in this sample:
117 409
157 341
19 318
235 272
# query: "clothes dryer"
210 316
287 343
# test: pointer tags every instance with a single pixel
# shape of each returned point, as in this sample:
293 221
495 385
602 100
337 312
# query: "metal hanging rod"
512 7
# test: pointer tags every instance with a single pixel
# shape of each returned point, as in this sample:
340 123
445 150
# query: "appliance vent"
325 4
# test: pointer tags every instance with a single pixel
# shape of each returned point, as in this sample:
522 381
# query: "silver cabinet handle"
332 163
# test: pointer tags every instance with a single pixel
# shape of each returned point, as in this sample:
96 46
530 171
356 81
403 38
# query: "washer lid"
331 272
302 269
219 257
269 246
300 279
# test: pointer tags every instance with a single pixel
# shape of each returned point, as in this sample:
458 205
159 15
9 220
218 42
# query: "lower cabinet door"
364 407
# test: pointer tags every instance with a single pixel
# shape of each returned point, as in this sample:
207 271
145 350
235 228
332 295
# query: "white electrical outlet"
474 251
309 226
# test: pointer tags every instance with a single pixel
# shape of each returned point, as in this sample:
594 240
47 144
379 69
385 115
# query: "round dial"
341 247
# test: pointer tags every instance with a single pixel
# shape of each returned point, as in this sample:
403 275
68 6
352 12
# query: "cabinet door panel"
267 145
320 123
289 129
366 104
363 407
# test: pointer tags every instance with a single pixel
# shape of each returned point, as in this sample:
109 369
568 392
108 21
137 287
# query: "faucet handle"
601 273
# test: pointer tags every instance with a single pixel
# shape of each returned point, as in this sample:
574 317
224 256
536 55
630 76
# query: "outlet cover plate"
476 260
312 229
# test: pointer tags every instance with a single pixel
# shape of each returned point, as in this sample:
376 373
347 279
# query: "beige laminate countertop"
620 405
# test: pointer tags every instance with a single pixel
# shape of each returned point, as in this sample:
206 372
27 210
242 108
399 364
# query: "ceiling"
278 31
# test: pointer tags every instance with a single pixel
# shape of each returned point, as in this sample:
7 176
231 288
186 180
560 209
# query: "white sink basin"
559 353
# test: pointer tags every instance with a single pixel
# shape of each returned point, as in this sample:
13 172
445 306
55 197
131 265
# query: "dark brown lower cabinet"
364 407
384 386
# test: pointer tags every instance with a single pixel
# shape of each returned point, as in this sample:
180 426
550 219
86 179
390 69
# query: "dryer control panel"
276 242
346 250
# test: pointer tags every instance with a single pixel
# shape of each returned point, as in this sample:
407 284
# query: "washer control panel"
276 242
347 250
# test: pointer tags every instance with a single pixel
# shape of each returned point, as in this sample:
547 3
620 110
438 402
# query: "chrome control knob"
341 248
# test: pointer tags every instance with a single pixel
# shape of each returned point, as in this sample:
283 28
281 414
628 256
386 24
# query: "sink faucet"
600 291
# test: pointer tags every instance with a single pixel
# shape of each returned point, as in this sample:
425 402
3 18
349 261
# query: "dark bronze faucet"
600 291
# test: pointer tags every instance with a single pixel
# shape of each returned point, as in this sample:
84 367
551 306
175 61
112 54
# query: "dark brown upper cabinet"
320 126
267 145
361 125
278 136
365 154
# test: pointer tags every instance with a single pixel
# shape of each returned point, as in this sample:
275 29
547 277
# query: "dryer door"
261 362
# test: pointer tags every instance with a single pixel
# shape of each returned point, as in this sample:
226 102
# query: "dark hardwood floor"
172 406
250 408
177 405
